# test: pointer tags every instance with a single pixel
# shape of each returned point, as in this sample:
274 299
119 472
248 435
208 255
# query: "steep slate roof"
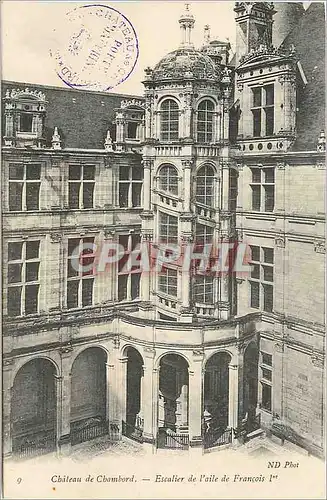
82 117
308 37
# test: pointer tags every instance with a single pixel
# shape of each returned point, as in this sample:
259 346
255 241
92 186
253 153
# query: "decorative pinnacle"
186 22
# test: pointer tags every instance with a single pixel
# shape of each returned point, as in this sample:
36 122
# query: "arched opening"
250 386
88 418
205 121
173 404
168 179
133 425
33 409
205 186
169 120
216 400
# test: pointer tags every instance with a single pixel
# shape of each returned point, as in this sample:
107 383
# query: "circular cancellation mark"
94 48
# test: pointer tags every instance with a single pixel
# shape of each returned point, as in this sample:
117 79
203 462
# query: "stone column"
122 383
147 184
63 393
195 402
148 402
187 185
233 396
277 379
6 408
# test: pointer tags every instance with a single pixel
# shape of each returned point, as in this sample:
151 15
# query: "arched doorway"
250 386
216 400
88 396
33 409
173 404
133 424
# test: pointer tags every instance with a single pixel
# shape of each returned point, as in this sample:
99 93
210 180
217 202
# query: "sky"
27 28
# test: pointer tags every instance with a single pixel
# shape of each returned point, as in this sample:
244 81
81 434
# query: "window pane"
266 397
256 175
254 291
74 172
137 173
33 171
269 175
89 172
14 301
256 122
268 273
16 171
32 249
31 299
266 359
32 195
87 292
32 271
15 250
14 273
72 294
72 266
122 287
269 198
124 173
267 374
256 94
88 190
269 121
255 253
256 197
15 195
136 194
135 285
131 130
268 255
123 194
73 244
26 120
268 298
255 273
73 196
269 91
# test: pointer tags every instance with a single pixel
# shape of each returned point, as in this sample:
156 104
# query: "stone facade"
123 353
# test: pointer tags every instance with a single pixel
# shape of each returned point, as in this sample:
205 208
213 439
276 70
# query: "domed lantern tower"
186 175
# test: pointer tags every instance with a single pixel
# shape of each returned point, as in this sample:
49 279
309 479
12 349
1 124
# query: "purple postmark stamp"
94 48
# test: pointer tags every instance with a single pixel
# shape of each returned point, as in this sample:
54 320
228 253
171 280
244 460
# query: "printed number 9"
19 480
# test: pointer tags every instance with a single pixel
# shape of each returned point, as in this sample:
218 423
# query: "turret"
254 26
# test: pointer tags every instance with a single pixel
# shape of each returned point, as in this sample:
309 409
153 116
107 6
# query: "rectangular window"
266 396
23 277
26 122
263 189
132 130
129 276
24 186
203 289
263 109
80 278
262 278
168 281
81 183
130 186
204 235
168 228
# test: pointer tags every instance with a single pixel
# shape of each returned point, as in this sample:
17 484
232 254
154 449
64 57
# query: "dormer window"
263 110
26 120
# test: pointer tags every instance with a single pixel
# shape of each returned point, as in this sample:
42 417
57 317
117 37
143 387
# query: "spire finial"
56 140
207 34
186 22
